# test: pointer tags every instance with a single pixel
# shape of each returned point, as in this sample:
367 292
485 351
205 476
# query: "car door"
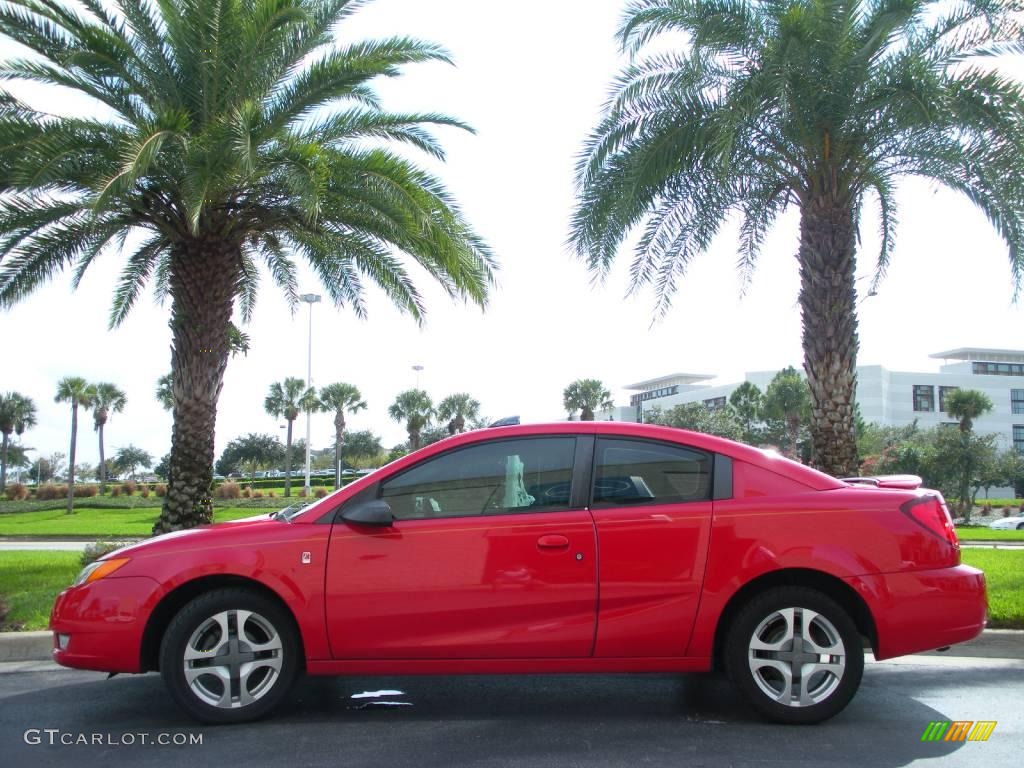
486 558
651 503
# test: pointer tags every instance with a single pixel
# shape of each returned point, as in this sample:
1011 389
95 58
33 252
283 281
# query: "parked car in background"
572 547
1008 523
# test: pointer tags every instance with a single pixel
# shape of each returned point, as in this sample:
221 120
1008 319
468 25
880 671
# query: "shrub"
227 491
257 495
144 493
86 491
50 491
98 549
271 495
1006 511
320 492
302 493
160 490
247 493
128 487
17 492
115 491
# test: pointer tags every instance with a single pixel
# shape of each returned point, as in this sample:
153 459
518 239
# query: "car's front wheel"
230 655
795 655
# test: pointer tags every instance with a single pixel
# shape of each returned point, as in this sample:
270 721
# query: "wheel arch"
180 596
825 583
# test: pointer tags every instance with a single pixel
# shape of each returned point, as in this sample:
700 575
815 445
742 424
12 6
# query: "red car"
573 547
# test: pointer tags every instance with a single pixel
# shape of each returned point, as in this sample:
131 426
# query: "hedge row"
277 483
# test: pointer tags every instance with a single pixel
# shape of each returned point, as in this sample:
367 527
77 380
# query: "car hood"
192 536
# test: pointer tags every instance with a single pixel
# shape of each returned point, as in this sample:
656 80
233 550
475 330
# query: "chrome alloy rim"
233 659
797 657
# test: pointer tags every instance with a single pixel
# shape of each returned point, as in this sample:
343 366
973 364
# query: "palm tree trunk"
202 289
414 440
587 413
288 462
828 307
339 436
71 457
3 461
103 463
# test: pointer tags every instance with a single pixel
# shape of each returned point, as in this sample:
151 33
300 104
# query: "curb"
992 644
26 646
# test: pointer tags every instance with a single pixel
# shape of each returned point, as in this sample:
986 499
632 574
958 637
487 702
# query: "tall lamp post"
311 299
417 368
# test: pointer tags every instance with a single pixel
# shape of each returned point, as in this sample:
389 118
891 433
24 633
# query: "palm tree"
415 409
787 408
819 104
17 413
78 392
239 133
286 400
109 398
456 409
585 396
965 405
165 391
339 398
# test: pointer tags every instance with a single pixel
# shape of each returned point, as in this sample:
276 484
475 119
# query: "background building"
887 397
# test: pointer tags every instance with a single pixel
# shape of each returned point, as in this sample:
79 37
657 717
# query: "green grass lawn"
98 522
29 581
1004 575
987 534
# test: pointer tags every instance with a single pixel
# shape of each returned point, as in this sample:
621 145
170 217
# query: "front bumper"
918 611
104 622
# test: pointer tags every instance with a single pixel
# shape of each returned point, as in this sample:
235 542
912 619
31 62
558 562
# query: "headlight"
99 569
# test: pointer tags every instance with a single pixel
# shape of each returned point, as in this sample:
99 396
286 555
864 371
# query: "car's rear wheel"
230 655
795 655
1020 526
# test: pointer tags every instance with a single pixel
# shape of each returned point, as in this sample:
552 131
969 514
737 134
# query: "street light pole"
417 368
311 299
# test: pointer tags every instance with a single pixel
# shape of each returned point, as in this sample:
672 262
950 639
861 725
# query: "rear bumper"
918 611
104 623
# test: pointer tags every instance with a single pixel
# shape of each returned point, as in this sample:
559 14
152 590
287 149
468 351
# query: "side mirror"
376 512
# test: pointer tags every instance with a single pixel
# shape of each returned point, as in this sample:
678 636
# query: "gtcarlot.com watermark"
55 737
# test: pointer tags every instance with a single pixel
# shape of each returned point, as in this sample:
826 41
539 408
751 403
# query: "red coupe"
573 547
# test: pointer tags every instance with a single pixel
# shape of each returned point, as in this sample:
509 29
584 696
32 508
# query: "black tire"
762 615
1020 526
197 623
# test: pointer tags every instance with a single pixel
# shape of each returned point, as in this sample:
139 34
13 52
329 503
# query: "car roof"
769 460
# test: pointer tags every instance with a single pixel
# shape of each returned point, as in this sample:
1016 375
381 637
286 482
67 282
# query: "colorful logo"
958 730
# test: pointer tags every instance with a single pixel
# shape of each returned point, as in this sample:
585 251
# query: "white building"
887 397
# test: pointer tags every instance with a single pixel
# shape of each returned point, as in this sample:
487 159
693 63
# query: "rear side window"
500 477
631 472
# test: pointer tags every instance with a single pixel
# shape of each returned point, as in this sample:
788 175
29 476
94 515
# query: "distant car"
348 472
1008 524
218 477
556 548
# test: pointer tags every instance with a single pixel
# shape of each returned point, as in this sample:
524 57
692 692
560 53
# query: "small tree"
130 458
415 409
586 396
456 410
17 413
340 398
109 399
787 410
77 392
747 404
700 418
362 445
253 451
286 400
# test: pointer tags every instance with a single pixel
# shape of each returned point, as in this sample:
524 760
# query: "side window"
502 477
632 472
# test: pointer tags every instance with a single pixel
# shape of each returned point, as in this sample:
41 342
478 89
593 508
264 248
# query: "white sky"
530 77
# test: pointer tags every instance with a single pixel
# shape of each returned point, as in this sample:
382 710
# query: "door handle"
553 541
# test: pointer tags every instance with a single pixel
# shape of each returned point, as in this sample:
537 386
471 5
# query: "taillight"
931 513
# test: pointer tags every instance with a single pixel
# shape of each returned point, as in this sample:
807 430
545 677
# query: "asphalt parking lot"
606 720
